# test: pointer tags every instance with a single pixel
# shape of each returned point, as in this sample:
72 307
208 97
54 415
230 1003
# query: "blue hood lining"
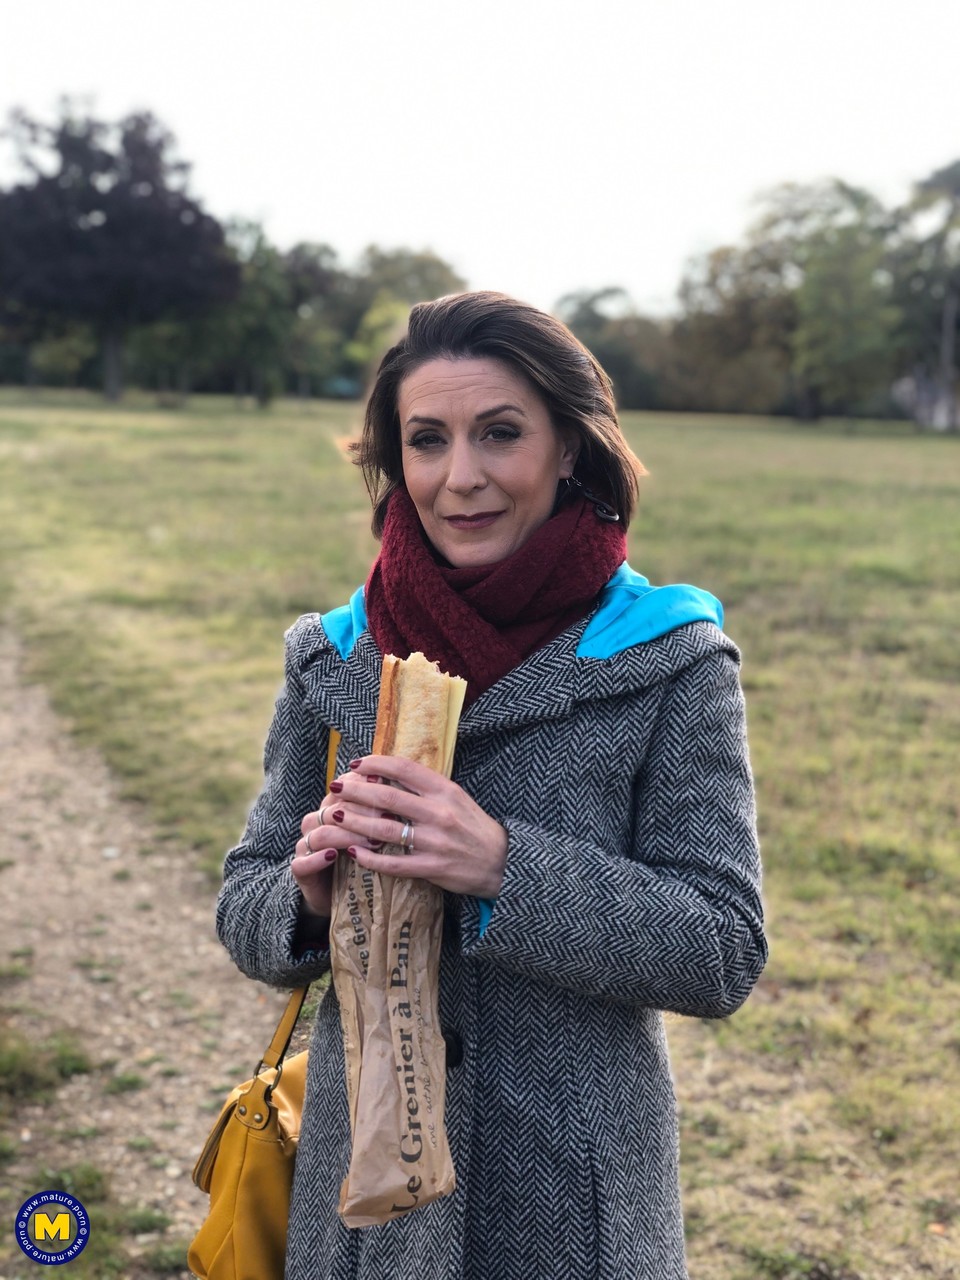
630 612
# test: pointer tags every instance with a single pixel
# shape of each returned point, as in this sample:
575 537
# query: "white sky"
540 146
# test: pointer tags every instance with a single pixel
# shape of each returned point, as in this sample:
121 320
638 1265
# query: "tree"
313 351
381 324
172 355
634 351
844 341
788 318
409 275
926 266
253 333
102 231
733 338
323 295
366 305
313 272
588 311
831 240
59 360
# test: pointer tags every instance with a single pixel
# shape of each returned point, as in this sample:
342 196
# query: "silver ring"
320 812
406 837
306 841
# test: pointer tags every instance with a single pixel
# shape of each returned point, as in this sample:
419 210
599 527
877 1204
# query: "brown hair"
573 386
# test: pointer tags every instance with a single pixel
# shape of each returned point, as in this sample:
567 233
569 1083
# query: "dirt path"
115 944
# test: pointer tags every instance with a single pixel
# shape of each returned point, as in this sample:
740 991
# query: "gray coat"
632 885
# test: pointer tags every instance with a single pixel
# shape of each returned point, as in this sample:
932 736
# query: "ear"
571 451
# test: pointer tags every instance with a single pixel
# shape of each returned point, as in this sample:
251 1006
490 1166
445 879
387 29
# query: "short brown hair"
573 386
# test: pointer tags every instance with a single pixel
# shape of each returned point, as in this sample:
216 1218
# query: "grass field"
152 560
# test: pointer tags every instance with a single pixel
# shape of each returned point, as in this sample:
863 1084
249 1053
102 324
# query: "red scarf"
481 622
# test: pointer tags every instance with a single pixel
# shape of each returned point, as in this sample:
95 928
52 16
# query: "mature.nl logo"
52 1228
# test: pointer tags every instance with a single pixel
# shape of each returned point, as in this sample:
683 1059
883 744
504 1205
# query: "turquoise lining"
632 612
345 625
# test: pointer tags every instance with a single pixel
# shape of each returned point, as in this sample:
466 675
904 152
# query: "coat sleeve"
259 902
674 921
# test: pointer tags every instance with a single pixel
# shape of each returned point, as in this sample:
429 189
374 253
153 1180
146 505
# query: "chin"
471 560
471 557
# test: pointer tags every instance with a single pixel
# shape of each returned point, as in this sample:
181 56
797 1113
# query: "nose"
464 470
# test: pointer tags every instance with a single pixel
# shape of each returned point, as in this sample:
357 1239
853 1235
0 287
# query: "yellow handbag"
246 1166
247 1161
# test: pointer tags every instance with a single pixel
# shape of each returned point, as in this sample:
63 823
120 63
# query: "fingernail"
336 786
375 844
355 764
371 777
351 852
329 855
391 817
337 815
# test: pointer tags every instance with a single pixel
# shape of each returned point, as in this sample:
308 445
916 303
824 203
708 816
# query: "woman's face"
481 457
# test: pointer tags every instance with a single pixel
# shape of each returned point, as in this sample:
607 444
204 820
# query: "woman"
597 843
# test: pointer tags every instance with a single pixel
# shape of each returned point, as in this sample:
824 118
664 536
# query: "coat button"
454 1048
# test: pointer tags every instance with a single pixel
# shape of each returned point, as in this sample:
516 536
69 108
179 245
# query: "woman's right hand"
313 861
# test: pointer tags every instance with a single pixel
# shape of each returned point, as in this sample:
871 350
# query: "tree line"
832 304
111 270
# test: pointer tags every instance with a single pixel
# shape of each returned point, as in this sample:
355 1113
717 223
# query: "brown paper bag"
385 951
351 934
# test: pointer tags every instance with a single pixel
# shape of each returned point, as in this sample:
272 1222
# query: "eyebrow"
481 417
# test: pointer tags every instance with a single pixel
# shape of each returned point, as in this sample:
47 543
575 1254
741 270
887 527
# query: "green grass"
125 1082
151 560
31 1072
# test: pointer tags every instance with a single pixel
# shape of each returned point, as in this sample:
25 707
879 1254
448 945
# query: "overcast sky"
540 146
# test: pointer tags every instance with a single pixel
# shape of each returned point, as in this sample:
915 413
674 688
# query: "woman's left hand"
452 842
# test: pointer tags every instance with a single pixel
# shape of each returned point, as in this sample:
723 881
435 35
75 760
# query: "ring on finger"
306 841
320 812
406 837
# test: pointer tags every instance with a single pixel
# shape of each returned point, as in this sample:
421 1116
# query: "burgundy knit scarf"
482 621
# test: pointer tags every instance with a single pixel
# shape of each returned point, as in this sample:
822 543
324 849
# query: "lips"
482 520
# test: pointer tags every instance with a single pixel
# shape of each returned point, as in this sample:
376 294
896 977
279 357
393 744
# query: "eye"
425 440
503 432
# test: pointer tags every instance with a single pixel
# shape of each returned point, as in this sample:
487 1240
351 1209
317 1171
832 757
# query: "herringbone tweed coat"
632 886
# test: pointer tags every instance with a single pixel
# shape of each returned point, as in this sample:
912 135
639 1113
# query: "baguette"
418 712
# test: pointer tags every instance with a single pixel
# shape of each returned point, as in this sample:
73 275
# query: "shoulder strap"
281 1037
288 1019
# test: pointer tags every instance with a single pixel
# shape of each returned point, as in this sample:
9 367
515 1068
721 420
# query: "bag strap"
288 1019
281 1037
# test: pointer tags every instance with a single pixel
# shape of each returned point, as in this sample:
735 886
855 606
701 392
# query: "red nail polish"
336 786
337 815
330 855
370 777
351 852
355 764
375 845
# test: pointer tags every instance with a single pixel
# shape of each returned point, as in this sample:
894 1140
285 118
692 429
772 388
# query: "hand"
315 857
454 844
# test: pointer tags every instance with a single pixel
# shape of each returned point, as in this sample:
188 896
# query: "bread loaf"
418 712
